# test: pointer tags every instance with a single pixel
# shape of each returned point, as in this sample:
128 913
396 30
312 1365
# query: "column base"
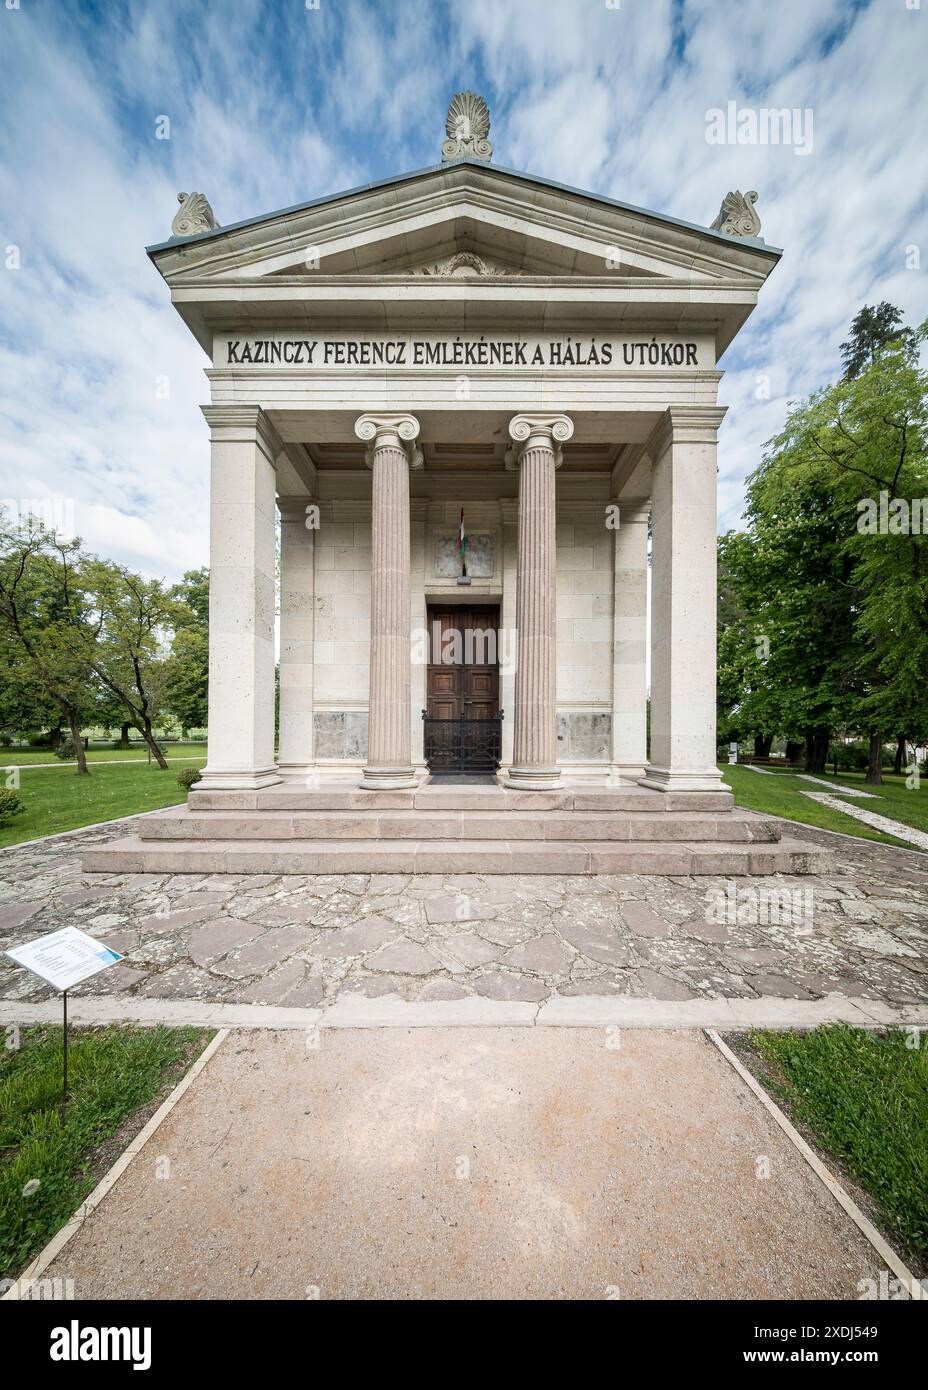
229 779
627 772
533 779
665 779
387 779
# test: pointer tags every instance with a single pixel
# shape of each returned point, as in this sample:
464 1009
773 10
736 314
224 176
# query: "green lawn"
863 1098
58 799
49 1162
782 795
13 757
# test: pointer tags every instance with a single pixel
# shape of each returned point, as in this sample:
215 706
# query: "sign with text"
466 352
64 958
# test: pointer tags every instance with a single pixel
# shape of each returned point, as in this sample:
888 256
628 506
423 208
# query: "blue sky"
272 102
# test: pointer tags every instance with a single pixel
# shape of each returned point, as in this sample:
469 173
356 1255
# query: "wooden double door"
463 662
463 725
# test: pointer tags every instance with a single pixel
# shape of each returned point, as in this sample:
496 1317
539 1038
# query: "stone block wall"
341 651
586 597
585 551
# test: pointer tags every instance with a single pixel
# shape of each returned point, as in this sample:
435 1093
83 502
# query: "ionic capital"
537 431
389 432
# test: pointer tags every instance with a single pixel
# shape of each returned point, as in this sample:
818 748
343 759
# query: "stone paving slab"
859 932
468 1164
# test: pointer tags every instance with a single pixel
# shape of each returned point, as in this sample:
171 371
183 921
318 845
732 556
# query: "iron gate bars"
463 744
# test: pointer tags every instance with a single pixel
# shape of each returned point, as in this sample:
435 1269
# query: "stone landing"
583 828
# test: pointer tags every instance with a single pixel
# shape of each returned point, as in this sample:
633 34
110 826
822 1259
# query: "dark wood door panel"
466 683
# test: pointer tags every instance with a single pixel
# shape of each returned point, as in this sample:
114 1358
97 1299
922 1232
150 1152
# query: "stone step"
294 796
180 823
135 855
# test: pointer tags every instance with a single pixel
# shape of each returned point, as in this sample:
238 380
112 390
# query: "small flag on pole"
462 545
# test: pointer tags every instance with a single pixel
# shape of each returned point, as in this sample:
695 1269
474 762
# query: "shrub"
65 750
188 777
10 805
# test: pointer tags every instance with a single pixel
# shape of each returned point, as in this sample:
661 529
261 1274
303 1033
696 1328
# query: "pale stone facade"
464 338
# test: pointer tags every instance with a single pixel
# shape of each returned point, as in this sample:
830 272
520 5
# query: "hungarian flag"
462 544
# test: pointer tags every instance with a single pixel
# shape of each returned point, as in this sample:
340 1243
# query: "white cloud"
272 105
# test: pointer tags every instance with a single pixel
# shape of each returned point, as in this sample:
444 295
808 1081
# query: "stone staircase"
292 828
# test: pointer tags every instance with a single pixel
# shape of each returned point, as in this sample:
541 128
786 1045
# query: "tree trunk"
817 742
75 726
901 758
152 742
793 751
874 777
124 735
808 751
762 745
54 737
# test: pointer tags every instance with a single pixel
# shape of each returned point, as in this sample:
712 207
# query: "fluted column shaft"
537 455
390 455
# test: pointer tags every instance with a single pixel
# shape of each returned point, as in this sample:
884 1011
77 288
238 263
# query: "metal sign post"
62 959
64 1050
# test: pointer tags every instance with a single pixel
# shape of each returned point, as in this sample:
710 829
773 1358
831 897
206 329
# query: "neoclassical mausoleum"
466 392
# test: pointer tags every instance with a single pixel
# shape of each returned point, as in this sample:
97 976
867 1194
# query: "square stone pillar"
297 623
241 598
630 640
536 452
391 453
683 601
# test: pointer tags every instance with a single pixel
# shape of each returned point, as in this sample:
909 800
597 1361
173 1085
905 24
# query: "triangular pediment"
464 221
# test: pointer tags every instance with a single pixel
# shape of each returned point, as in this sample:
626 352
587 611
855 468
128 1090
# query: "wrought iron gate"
462 744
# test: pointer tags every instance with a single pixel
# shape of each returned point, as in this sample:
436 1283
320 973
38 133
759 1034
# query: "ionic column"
418 521
296 633
536 452
509 516
390 455
241 598
683 601
630 640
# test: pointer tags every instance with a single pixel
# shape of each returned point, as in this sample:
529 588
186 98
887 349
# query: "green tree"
132 618
873 327
850 593
44 625
188 664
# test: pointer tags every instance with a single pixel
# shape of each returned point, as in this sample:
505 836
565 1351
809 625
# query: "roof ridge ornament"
467 126
737 216
193 216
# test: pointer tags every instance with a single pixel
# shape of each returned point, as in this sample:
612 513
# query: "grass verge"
49 1162
781 794
861 1098
57 800
99 753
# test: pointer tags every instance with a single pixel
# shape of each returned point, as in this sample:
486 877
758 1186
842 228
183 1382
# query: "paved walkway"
896 828
860 933
468 1164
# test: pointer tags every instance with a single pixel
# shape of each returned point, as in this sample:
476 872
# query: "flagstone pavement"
303 941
